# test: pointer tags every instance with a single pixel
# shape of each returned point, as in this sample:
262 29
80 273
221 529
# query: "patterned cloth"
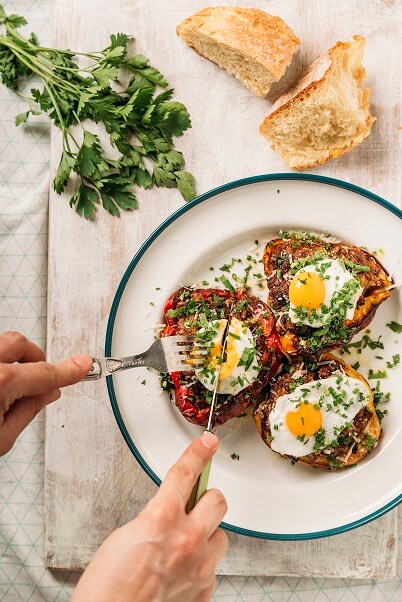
24 159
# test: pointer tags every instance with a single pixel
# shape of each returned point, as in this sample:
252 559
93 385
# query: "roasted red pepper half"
191 397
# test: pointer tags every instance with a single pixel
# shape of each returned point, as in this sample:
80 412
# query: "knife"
201 484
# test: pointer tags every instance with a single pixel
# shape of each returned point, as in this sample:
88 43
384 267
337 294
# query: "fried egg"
315 413
240 367
322 290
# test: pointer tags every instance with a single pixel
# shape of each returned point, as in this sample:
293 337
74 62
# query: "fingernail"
209 440
83 360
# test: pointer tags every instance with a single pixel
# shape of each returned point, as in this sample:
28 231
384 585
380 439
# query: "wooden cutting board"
93 483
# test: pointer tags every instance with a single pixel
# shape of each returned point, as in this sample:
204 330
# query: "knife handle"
200 487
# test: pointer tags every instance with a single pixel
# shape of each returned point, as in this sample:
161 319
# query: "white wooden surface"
93 483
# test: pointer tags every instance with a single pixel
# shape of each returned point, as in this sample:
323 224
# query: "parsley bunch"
140 124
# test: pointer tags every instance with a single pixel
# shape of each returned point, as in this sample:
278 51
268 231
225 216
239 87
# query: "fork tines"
186 352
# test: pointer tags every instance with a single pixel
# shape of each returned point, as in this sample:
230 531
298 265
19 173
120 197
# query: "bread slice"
326 113
250 44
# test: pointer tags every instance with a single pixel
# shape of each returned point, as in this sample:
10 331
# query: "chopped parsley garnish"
227 284
173 313
380 398
239 305
319 439
369 441
143 382
395 361
333 463
335 329
376 375
247 357
395 327
365 341
302 262
226 267
356 267
165 381
235 456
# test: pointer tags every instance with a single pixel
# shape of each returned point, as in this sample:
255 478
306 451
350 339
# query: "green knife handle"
200 487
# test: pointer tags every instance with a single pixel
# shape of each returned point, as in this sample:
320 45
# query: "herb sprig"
140 124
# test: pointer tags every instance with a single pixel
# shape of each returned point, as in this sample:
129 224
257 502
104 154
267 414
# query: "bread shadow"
292 74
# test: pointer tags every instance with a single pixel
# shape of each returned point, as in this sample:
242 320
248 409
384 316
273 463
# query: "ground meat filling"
191 397
278 258
281 385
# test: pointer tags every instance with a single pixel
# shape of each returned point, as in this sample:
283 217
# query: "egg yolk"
231 361
305 421
307 290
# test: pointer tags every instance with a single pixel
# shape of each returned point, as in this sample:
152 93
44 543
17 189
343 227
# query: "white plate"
267 496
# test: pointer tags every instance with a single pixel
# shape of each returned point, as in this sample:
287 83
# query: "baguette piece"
326 113
250 44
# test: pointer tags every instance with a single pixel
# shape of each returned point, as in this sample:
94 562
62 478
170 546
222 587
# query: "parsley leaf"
85 199
185 184
89 155
67 163
23 117
115 194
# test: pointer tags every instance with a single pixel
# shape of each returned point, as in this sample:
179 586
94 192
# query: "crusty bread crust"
310 82
252 33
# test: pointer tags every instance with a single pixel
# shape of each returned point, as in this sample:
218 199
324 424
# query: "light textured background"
24 155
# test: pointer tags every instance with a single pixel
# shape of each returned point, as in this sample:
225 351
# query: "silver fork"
167 354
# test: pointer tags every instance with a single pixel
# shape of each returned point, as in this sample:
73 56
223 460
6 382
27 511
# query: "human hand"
27 386
163 555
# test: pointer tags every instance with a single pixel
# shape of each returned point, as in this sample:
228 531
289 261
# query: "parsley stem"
11 31
56 106
29 99
37 66
73 138
78 120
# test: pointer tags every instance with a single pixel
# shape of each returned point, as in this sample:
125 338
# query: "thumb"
35 378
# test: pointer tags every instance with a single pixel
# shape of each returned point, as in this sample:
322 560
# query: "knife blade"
201 485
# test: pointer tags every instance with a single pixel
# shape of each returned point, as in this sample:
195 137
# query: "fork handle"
106 366
200 487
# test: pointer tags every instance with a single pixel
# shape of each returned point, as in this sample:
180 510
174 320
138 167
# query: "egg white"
336 278
240 338
334 417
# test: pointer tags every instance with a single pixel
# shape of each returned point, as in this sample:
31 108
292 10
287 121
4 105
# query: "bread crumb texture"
250 44
326 113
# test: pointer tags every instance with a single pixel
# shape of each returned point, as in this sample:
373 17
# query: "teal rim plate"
268 497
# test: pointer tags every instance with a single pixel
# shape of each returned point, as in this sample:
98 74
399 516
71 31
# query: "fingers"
182 476
14 347
218 544
36 378
20 415
209 511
